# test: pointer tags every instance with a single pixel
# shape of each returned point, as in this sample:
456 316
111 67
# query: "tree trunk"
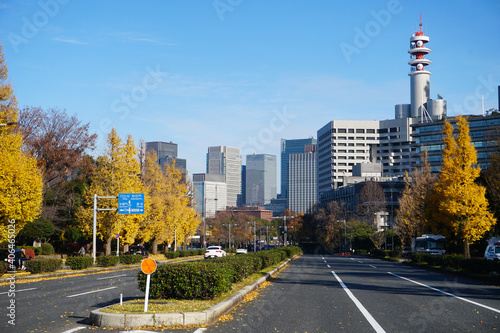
125 248
108 246
155 246
466 249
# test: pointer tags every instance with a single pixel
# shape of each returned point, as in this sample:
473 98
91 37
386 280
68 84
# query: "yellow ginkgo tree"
462 208
170 213
118 171
20 178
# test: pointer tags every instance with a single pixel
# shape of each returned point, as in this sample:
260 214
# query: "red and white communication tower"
419 76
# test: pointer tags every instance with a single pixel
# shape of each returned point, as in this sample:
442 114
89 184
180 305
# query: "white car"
214 252
241 251
492 252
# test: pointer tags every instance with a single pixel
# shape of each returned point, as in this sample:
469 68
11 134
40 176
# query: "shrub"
128 259
200 280
172 255
107 261
37 250
79 262
43 265
47 248
29 253
242 266
4 267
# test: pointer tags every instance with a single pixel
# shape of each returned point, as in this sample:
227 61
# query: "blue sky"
238 72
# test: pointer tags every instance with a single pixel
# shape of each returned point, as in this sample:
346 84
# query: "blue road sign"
130 203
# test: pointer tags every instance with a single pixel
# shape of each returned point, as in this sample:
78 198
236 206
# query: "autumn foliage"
20 178
461 208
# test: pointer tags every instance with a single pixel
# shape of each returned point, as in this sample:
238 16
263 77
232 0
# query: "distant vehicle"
492 251
214 252
18 259
139 249
428 243
241 251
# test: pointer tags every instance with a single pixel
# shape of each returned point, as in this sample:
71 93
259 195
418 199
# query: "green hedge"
47 248
208 279
458 262
36 266
79 262
128 259
200 280
182 254
107 261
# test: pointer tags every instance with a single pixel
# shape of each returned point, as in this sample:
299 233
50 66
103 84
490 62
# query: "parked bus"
428 243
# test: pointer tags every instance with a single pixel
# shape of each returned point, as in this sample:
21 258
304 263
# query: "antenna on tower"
420 21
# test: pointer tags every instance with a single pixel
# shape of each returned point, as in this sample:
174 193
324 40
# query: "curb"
207 317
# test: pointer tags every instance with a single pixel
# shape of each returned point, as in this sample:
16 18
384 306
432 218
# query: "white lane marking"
324 260
142 331
360 306
328 266
360 261
16 291
74 329
447 293
93 291
351 258
199 330
372 266
110 277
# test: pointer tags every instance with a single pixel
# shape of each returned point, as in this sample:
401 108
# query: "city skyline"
202 76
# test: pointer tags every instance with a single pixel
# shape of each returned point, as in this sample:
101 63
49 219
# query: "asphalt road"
62 304
353 294
313 294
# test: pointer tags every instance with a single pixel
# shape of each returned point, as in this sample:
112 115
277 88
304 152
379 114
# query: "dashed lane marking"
110 277
90 292
18 290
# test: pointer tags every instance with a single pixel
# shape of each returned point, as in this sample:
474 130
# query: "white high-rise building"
344 143
261 179
226 161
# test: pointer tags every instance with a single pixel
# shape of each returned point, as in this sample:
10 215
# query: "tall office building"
210 192
344 143
290 147
261 179
167 153
302 180
226 161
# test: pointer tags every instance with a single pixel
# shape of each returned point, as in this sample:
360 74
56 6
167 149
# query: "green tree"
38 229
462 208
